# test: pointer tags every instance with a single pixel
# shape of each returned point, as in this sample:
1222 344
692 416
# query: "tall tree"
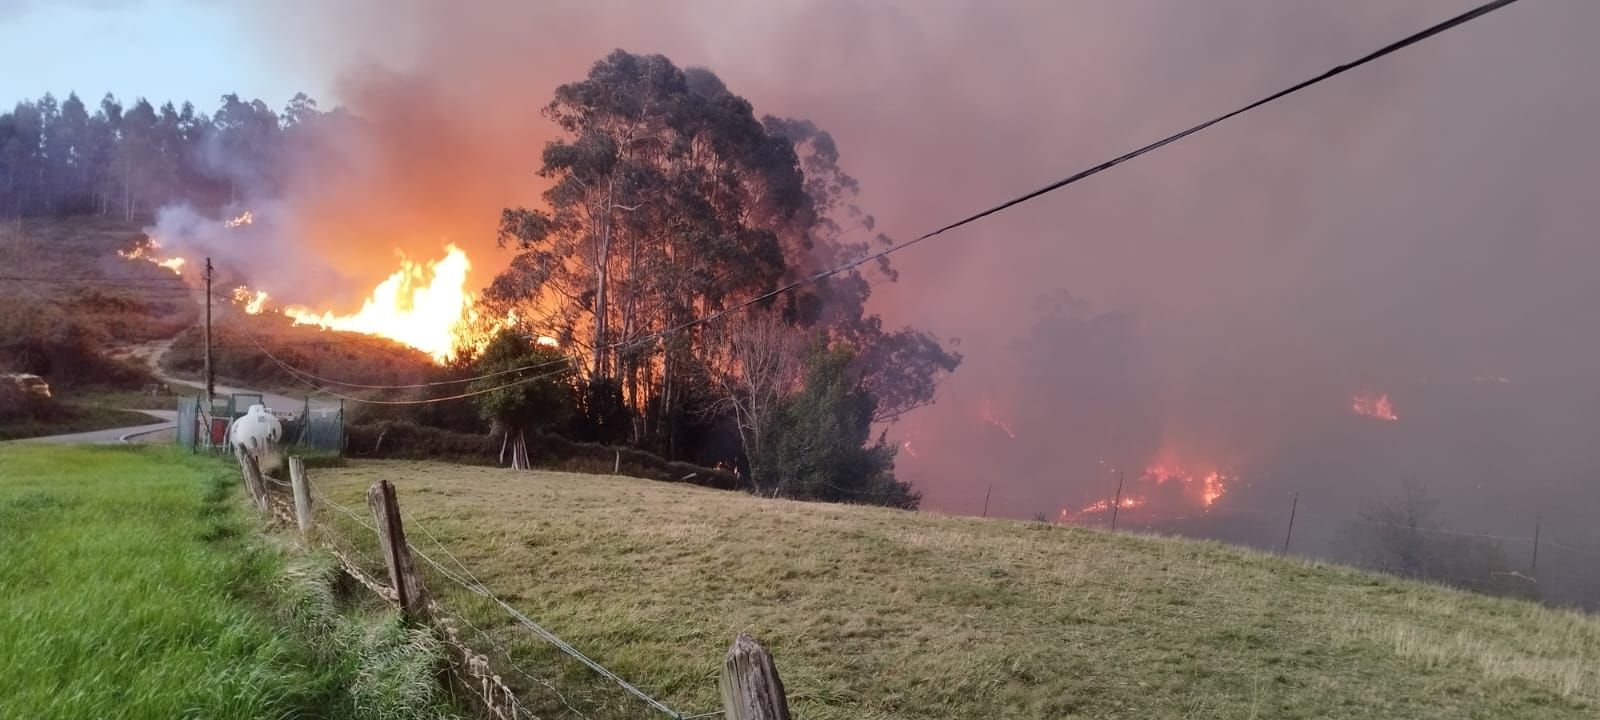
659 212
671 201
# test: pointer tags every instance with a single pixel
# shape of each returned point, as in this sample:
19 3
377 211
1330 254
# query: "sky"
1421 227
159 49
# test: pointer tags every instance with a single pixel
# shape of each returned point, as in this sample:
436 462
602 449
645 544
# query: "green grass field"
874 613
135 587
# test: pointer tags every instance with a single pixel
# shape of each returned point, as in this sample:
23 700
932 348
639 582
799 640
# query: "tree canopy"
670 201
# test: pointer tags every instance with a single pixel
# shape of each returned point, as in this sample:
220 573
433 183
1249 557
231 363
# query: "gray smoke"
1421 227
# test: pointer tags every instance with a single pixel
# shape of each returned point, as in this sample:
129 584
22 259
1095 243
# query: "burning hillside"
1159 492
421 304
418 305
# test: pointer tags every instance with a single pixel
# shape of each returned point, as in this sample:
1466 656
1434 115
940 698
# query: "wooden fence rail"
749 685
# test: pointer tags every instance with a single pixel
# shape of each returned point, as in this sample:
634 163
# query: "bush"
67 350
17 405
820 450
334 355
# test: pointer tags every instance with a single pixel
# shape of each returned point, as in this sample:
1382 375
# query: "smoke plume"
1420 228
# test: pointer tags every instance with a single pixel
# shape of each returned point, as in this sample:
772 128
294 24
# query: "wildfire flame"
253 302
1160 487
144 252
1100 506
993 418
417 305
244 218
1373 405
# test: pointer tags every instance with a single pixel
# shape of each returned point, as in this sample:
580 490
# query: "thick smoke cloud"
1422 227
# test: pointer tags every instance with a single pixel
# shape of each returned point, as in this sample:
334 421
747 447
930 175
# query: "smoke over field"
1388 277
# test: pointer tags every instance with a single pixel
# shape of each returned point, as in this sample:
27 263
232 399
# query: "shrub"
65 349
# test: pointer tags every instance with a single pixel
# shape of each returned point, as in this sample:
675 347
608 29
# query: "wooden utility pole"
986 492
396 553
750 686
1116 503
211 378
1293 506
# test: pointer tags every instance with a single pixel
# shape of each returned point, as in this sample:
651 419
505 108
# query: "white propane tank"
256 433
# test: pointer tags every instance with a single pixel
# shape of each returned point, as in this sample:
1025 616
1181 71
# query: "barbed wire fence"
492 643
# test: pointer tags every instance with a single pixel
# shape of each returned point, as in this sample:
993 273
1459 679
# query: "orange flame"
418 306
253 303
1213 485
244 218
1373 405
1100 506
143 252
1164 488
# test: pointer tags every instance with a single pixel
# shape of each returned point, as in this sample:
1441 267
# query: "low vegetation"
135 588
27 417
334 355
878 614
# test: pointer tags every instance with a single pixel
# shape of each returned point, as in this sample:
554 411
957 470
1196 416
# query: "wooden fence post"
302 495
750 686
396 553
253 481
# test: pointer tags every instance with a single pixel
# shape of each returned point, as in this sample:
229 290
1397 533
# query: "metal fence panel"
188 422
323 431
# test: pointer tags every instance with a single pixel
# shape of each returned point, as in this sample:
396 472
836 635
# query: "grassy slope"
881 614
75 418
132 590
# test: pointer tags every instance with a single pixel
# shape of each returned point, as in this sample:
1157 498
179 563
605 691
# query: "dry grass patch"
876 613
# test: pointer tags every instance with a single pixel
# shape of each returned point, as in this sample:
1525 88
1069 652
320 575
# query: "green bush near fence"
135 587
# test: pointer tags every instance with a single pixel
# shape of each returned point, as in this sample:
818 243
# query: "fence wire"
464 577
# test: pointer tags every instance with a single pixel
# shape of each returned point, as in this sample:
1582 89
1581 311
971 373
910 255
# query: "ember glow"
1373 405
418 305
146 252
991 416
244 218
1100 506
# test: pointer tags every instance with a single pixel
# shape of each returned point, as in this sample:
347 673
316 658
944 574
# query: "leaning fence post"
750 686
253 481
396 553
302 495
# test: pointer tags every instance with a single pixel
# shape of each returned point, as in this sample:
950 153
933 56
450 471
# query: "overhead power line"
308 380
1400 44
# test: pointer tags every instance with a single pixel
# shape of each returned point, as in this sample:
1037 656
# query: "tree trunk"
602 271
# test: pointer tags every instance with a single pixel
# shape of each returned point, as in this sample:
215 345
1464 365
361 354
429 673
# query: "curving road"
112 436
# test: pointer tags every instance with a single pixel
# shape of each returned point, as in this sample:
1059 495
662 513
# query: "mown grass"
135 587
874 613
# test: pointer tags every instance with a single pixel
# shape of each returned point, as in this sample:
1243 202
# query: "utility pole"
211 378
986 492
1116 503
1293 506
